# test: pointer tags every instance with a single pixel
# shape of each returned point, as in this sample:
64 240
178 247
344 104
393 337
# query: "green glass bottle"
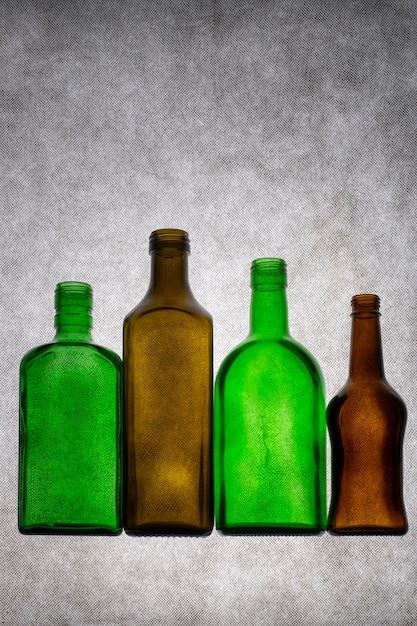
270 428
70 468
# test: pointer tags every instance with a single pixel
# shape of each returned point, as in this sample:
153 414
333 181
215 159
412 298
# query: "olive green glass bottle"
366 421
269 425
168 400
70 465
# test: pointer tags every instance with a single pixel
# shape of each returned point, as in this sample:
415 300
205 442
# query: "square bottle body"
168 406
70 440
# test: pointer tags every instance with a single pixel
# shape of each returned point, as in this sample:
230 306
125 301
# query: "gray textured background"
278 128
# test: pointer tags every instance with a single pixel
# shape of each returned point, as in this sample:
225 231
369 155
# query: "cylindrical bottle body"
366 422
168 408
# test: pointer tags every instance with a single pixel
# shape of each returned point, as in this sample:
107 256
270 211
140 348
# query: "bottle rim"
73 285
268 270
73 295
368 303
169 238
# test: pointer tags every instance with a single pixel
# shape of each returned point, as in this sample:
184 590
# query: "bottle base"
69 530
161 530
366 530
285 530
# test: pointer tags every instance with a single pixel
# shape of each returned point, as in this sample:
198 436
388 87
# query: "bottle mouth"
365 303
72 292
171 238
73 304
268 271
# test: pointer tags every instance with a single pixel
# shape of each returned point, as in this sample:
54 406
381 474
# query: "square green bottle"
70 465
269 423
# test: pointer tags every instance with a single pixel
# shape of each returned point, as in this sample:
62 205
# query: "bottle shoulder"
366 391
163 306
63 350
255 352
369 385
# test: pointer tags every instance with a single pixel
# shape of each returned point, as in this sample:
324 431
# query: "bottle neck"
169 272
73 322
366 347
169 249
72 334
269 314
269 311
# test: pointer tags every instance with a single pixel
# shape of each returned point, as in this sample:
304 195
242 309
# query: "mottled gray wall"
276 128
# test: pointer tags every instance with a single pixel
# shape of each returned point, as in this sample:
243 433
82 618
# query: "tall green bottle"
70 427
270 428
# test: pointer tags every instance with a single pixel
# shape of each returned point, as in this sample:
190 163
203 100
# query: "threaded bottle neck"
268 273
167 240
169 249
73 304
366 347
365 304
269 312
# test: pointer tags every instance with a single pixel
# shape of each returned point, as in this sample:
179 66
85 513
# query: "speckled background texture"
274 128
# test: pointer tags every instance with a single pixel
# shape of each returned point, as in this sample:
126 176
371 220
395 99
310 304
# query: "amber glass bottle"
366 422
168 400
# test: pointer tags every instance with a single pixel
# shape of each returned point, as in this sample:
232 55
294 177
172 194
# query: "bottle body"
168 403
270 446
366 422
70 438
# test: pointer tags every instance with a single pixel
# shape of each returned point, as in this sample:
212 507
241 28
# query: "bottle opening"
366 303
171 238
73 304
268 271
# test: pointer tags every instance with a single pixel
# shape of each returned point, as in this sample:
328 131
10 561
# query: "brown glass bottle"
168 400
366 422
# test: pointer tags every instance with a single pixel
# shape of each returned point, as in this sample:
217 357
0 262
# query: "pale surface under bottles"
281 128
